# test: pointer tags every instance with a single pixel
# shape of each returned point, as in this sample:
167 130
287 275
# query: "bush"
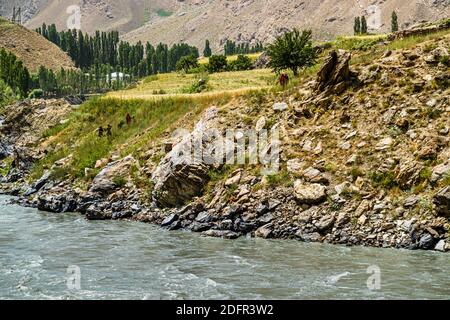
241 63
120 181
200 84
293 50
217 64
36 94
187 63
7 95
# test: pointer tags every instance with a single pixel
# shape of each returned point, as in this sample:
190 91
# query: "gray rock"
325 223
440 246
280 106
426 242
169 220
226 234
309 194
104 182
204 217
184 171
199 227
264 232
442 202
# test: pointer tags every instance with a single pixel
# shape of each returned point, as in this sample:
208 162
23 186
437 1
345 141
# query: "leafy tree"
394 22
363 25
7 95
217 63
207 52
187 63
241 63
293 50
357 26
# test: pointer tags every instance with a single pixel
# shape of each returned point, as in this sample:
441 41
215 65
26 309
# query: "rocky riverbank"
364 160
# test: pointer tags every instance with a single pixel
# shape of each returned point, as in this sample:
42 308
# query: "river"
63 256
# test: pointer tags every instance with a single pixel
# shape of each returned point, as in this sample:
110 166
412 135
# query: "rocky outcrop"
335 74
184 171
113 176
442 202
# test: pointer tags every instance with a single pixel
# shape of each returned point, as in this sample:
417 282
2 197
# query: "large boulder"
442 202
108 179
183 173
335 72
309 193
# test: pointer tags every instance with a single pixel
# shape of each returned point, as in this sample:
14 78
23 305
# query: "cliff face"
364 156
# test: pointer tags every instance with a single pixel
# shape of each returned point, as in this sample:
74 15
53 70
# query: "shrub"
36 94
241 63
187 63
217 64
293 50
384 179
119 181
7 95
200 84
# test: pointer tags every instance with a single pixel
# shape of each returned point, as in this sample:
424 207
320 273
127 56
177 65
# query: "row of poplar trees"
360 25
105 48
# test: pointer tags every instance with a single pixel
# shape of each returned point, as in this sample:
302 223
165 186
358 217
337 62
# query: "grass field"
252 56
170 84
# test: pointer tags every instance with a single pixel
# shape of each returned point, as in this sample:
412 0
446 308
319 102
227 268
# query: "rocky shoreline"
320 204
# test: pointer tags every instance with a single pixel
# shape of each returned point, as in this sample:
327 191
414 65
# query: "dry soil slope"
31 48
121 15
243 20
262 20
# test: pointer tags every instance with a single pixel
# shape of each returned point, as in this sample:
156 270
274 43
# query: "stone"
315 176
199 227
226 234
183 172
169 220
325 223
308 237
204 217
226 224
105 181
343 187
262 209
335 72
280 106
235 179
384 144
440 246
442 202
260 124
440 172
411 201
362 220
309 194
264 232
295 165
364 207
426 242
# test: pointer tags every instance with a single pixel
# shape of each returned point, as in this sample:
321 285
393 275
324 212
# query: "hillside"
364 153
193 21
31 48
105 15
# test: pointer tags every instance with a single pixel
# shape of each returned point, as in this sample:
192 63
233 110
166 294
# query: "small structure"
118 76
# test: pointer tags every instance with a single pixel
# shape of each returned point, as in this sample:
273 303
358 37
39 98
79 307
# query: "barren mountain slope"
193 21
31 48
262 20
